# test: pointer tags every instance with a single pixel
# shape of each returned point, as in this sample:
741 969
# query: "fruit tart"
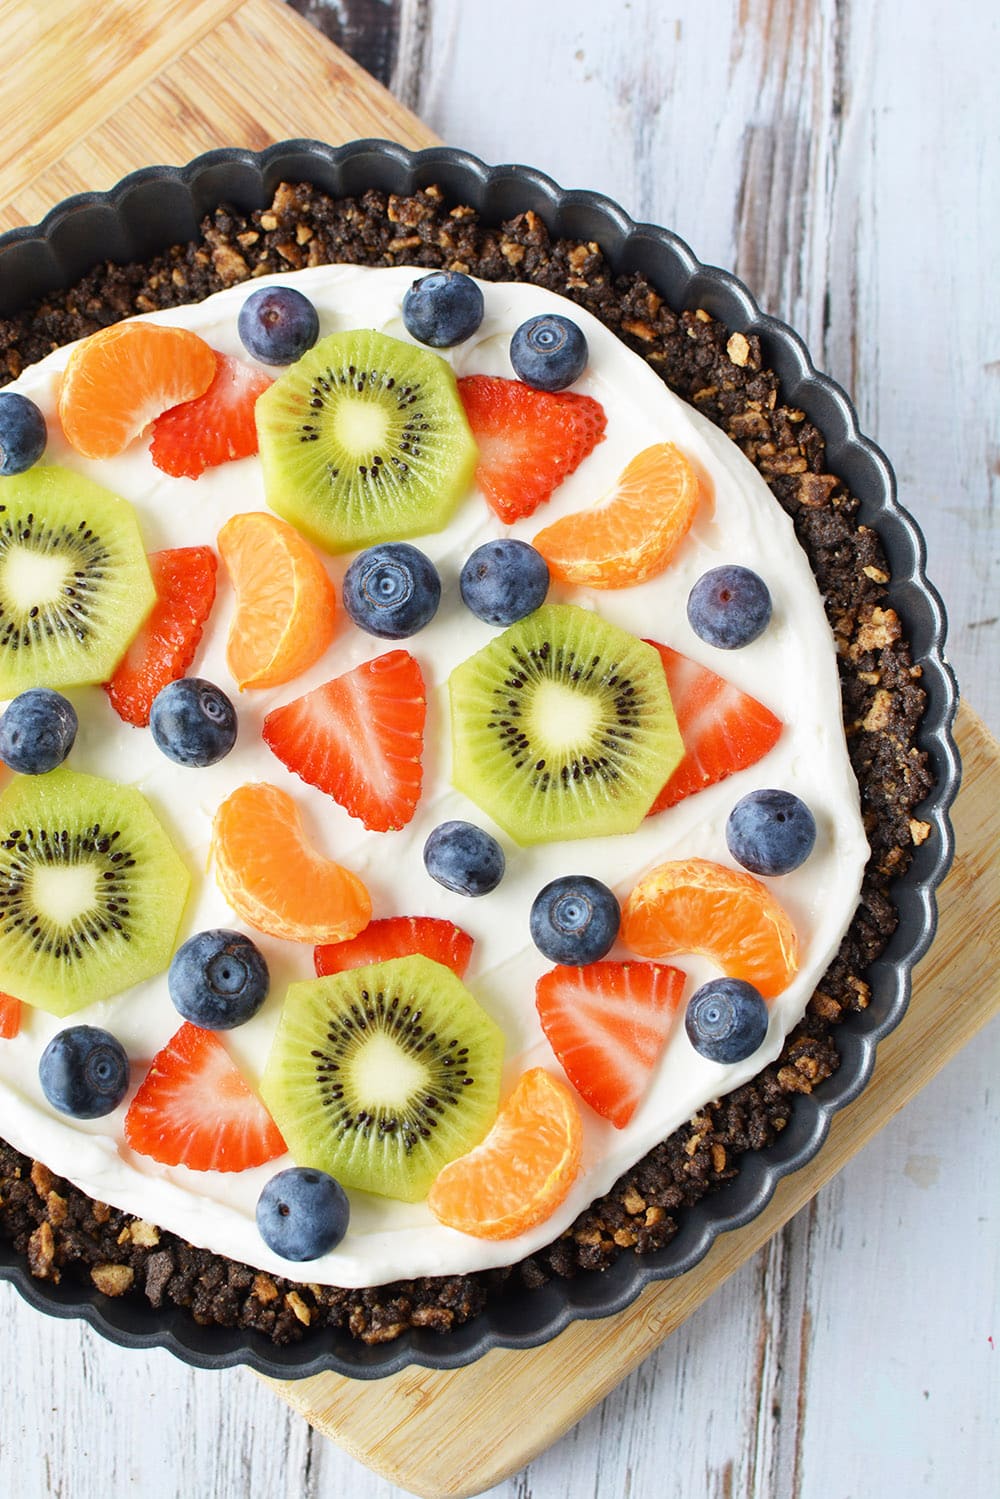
430 852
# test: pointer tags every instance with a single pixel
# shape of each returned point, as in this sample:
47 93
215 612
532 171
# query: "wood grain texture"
855 1354
202 86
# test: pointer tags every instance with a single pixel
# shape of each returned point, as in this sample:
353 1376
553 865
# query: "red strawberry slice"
359 738
723 728
529 440
195 1109
184 578
10 1016
608 1024
398 937
214 428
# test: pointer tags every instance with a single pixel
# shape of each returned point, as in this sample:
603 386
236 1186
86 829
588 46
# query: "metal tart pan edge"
158 206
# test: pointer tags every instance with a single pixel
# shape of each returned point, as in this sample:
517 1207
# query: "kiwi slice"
91 890
363 440
562 727
74 582
382 1075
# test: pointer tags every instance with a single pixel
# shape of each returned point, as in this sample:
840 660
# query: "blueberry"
193 722
575 920
464 858
277 324
726 1020
504 580
218 979
392 590
84 1072
771 832
37 731
548 352
443 309
728 607
23 433
302 1213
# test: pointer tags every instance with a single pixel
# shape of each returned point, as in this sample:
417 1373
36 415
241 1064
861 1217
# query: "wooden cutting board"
134 82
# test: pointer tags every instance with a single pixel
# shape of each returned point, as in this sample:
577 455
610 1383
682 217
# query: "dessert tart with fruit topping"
430 851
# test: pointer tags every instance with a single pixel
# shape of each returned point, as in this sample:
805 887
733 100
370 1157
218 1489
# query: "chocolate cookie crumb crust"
65 1235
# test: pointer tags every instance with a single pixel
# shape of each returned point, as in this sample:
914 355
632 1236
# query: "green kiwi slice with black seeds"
562 727
363 440
91 890
74 582
382 1075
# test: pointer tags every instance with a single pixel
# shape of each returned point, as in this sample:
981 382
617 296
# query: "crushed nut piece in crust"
113 1280
298 1306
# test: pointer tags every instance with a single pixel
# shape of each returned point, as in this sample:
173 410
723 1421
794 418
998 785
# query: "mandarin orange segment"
275 879
633 533
524 1168
286 605
116 381
696 906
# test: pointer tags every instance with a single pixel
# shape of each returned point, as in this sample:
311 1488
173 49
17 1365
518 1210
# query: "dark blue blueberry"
771 832
193 722
726 1020
548 352
218 979
22 433
302 1213
463 858
277 324
504 580
37 731
443 309
392 590
729 606
575 920
84 1072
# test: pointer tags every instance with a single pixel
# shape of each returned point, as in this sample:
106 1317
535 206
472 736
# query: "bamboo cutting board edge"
174 92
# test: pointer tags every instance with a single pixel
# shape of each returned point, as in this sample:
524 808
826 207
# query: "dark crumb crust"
64 1234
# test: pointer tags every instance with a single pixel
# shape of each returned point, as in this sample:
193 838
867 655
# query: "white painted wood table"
843 158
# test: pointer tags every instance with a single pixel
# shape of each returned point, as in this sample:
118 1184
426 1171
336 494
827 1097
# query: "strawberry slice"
359 738
529 440
184 578
214 428
10 1016
398 937
723 728
608 1024
195 1109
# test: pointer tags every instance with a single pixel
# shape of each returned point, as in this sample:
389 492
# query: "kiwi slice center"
364 421
65 891
50 579
417 1074
360 428
33 578
562 718
385 1076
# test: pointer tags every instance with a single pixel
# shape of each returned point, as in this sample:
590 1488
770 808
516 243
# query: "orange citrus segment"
286 605
695 906
116 381
634 532
524 1168
272 876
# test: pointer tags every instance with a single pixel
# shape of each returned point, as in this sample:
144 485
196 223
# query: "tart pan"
159 206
